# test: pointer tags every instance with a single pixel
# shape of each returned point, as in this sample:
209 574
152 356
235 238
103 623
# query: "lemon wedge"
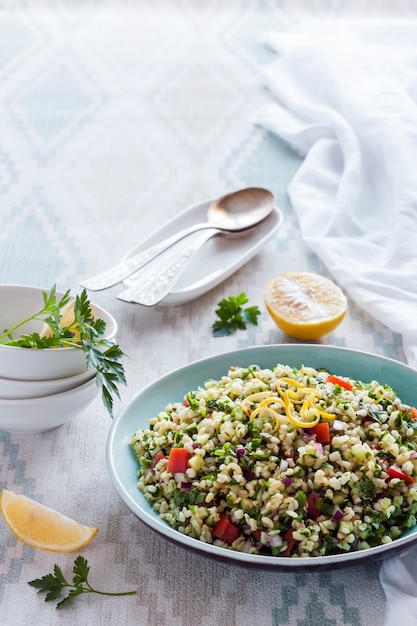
305 305
41 527
67 318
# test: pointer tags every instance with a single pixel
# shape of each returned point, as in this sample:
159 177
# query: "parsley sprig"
84 333
55 584
232 316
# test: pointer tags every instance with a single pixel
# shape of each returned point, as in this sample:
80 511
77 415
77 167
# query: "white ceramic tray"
218 258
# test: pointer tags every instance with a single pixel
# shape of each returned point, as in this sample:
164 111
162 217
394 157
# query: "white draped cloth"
345 98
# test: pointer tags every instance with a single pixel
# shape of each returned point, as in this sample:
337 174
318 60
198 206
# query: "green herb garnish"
232 316
54 584
366 489
84 333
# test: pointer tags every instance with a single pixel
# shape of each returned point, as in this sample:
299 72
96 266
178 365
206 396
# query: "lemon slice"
41 527
305 305
67 318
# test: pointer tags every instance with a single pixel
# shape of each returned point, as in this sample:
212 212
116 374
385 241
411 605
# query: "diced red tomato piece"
396 472
288 537
225 530
158 457
178 460
312 500
322 432
339 381
410 409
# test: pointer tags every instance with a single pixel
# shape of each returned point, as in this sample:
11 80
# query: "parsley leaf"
232 316
85 333
54 584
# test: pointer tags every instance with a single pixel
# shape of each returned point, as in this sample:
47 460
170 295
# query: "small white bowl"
14 389
36 415
18 302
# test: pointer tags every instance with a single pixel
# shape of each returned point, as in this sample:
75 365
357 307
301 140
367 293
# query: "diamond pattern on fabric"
203 101
38 233
17 40
8 172
54 106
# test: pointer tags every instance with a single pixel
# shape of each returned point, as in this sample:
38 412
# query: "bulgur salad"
283 462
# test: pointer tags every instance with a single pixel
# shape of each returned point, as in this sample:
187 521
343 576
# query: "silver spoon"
233 212
155 281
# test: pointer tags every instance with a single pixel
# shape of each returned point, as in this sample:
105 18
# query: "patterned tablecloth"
114 116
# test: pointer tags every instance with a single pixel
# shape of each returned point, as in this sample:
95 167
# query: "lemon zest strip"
291 382
270 400
326 416
259 395
307 403
304 396
289 410
267 411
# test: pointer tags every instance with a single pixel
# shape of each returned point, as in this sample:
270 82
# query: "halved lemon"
41 527
305 305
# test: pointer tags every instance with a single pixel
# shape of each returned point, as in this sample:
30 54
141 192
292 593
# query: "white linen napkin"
398 577
345 97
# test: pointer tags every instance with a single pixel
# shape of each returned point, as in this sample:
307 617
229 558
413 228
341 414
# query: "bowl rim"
23 389
35 402
17 382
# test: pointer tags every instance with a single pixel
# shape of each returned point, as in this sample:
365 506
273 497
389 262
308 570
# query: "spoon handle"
151 287
128 266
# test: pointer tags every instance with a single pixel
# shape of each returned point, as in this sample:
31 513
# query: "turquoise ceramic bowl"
123 466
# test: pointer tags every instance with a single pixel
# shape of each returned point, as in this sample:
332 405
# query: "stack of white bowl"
41 389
